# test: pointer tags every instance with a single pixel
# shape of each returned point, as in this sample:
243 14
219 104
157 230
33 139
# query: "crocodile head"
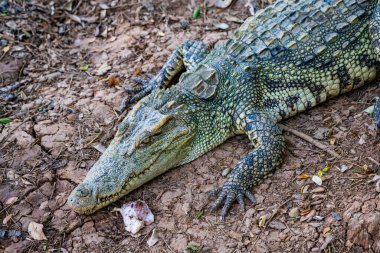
156 135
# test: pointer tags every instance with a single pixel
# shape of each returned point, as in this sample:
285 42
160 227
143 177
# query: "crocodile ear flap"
204 82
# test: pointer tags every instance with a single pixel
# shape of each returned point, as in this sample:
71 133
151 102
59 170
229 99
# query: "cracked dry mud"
63 111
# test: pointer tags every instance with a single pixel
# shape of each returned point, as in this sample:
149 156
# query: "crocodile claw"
147 85
228 194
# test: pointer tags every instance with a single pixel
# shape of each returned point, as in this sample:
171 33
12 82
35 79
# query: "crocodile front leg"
186 56
374 31
255 166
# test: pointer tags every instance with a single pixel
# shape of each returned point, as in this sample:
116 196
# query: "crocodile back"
301 32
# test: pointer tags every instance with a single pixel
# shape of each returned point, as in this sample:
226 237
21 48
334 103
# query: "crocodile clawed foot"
228 194
146 87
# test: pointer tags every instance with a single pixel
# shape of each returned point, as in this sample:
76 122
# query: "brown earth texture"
67 62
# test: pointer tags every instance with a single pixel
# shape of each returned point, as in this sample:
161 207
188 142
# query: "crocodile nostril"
82 192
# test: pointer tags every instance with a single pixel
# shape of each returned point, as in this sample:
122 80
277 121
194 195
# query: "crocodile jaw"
115 175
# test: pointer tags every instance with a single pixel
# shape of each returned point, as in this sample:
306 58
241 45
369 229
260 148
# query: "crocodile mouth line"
106 200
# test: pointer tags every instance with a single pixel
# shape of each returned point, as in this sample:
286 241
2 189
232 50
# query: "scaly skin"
286 59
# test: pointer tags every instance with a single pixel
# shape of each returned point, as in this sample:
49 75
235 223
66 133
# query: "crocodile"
289 57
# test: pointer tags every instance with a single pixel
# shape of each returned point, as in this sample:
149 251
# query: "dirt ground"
73 57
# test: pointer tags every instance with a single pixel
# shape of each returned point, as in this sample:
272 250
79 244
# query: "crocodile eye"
149 139
146 140
83 192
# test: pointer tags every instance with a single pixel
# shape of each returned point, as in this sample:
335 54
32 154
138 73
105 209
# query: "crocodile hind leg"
186 56
255 166
374 31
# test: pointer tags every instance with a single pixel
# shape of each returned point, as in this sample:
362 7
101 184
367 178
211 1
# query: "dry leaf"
362 139
6 49
294 212
84 67
277 225
11 200
328 240
317 180
305 188
104 68
26 182
263 220
318 190
7 219
222 26
103 14
305 211
223 3
234 19
23 95
99 147
104 6
137 71
370 109
153 239
75 18
326 169
303 176
309 216
35 231
367 170
342 168
377 188
68 5
326 230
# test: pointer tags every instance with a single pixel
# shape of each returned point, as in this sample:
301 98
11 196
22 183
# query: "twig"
167 245
1 57
274 213
373 160
310 139
15 128
291 230
94 139
242 221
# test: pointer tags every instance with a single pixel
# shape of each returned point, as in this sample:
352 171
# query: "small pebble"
297 196
61 30
184 24
226 171
318 218
318 190
378 186
3 43
336 216
343 168
294 212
